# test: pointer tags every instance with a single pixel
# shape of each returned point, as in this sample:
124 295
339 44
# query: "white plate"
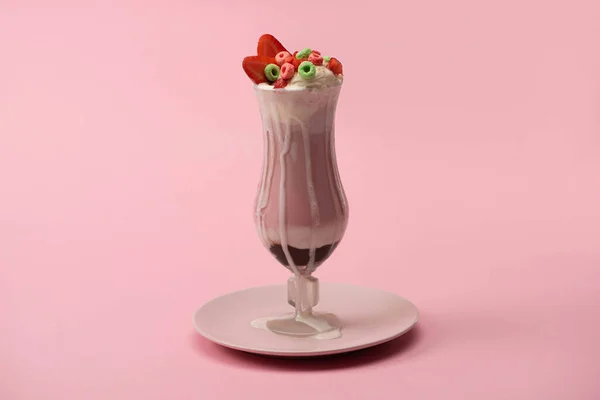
369 317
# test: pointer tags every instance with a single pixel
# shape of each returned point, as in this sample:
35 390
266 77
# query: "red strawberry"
254 67
280 84
268 46
335 66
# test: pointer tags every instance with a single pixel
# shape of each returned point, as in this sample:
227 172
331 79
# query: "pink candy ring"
287 71
315 58
282 57
280 83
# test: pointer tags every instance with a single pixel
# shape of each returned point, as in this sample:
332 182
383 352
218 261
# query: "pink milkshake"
301 211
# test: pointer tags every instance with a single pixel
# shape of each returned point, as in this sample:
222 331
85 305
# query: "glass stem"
303 294
302 306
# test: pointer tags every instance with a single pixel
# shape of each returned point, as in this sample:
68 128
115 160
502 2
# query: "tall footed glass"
301 210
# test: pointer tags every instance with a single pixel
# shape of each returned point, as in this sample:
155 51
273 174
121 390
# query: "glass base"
303 295
304 325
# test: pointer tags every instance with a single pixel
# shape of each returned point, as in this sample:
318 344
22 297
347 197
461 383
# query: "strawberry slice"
335 66
254 67
268 46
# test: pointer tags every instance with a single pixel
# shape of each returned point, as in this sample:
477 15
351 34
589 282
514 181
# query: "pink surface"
130 151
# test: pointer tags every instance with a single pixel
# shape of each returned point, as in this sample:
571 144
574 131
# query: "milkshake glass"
301 210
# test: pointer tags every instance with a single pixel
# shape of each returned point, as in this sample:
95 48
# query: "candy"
316 59
280 84
304 53
297 61
272 72
327 58
317 52
307 70
287 71
282 57
268 46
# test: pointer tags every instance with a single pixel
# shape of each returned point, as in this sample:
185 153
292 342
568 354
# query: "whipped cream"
323 78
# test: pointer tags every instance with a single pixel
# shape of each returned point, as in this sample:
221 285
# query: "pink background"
130 150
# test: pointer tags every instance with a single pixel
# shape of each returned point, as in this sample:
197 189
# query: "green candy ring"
307 70
272 72
327 58
303 53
